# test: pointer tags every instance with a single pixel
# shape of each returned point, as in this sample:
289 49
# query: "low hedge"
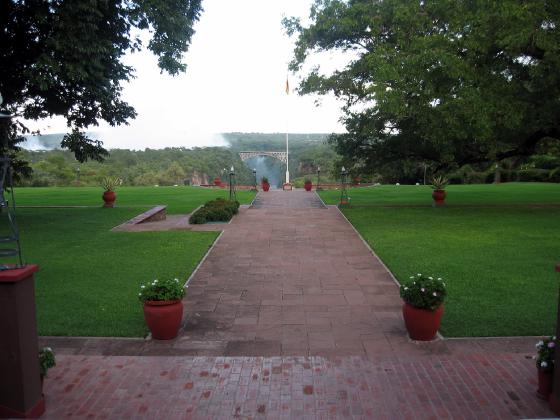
219 210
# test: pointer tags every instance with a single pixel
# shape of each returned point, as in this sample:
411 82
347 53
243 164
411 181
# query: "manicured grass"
513 193
89 276
498 261
178 199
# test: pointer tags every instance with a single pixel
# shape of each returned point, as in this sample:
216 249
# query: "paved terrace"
291 316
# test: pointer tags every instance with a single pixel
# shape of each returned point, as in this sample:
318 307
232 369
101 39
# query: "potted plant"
217 181
308 184
438 185
46 361
109 184
265 184
163 309
423 306
545 366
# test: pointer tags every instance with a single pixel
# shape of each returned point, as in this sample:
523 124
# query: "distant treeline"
172 166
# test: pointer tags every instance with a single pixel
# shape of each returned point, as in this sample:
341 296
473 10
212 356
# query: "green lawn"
89 276
178 199
514 193
498 261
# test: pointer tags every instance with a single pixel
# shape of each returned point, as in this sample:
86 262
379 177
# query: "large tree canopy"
443 81
63 57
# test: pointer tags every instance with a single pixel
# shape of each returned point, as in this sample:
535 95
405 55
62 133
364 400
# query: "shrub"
423 292
46 360
538 175
219 210
159 290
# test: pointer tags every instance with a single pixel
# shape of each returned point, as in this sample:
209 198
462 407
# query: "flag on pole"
287 86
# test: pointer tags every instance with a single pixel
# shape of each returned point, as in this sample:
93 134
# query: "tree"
445 82
63 57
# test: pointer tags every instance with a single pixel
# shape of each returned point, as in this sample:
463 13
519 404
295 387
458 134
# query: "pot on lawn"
439 197
109 198
308 185
163 318
422 324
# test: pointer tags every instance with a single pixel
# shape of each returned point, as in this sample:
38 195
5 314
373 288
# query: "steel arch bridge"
281 156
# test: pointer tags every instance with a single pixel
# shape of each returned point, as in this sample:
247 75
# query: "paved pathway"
290 316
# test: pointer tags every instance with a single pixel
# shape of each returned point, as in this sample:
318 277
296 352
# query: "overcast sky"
235 81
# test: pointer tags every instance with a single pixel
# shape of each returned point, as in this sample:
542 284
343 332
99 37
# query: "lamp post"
255 177
344 200
318 178
232 196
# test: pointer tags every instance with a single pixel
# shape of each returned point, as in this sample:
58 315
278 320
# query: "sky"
235 82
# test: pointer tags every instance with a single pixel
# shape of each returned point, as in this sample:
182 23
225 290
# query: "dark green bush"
533 174
218 210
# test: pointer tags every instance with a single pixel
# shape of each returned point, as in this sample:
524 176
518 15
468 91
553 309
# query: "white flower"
443 283
431 278
413 282
419 275
439 278
435 294
139 294
176 280
142 287
155 281
539 344
544 364
406 288
423 290
411 277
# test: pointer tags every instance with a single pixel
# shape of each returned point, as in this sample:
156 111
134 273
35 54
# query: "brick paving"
291 316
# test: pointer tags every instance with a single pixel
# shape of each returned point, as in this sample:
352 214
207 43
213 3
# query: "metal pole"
255 176
318 178
287 160
232 184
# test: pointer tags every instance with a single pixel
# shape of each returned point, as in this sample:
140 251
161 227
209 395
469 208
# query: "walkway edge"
439 336
203 259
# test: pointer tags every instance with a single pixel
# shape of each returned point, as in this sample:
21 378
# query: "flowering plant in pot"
308 184
163 309
423 306
545 366
46 361
109 184
265 184
438 185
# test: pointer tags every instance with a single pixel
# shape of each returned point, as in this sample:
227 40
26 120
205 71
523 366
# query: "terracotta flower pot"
308 186
545 383
422 324
109 198
439 196
163 318
265 186
217 181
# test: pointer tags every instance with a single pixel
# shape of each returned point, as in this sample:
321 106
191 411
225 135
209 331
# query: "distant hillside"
171 166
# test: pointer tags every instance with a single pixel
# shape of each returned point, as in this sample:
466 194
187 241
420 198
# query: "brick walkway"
291 316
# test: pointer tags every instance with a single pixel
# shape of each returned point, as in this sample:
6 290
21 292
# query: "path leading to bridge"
291 277
292 316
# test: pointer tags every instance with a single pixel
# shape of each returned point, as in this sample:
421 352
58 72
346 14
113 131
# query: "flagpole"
287 140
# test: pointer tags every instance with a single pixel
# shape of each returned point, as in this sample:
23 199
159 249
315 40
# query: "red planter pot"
422 324
217 181
163 318
265 186
545 383
308 186
109 198
439 196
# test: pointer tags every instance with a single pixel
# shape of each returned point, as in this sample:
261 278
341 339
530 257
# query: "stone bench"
153 215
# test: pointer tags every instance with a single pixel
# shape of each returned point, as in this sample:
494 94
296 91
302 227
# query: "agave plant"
109 183
439 183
